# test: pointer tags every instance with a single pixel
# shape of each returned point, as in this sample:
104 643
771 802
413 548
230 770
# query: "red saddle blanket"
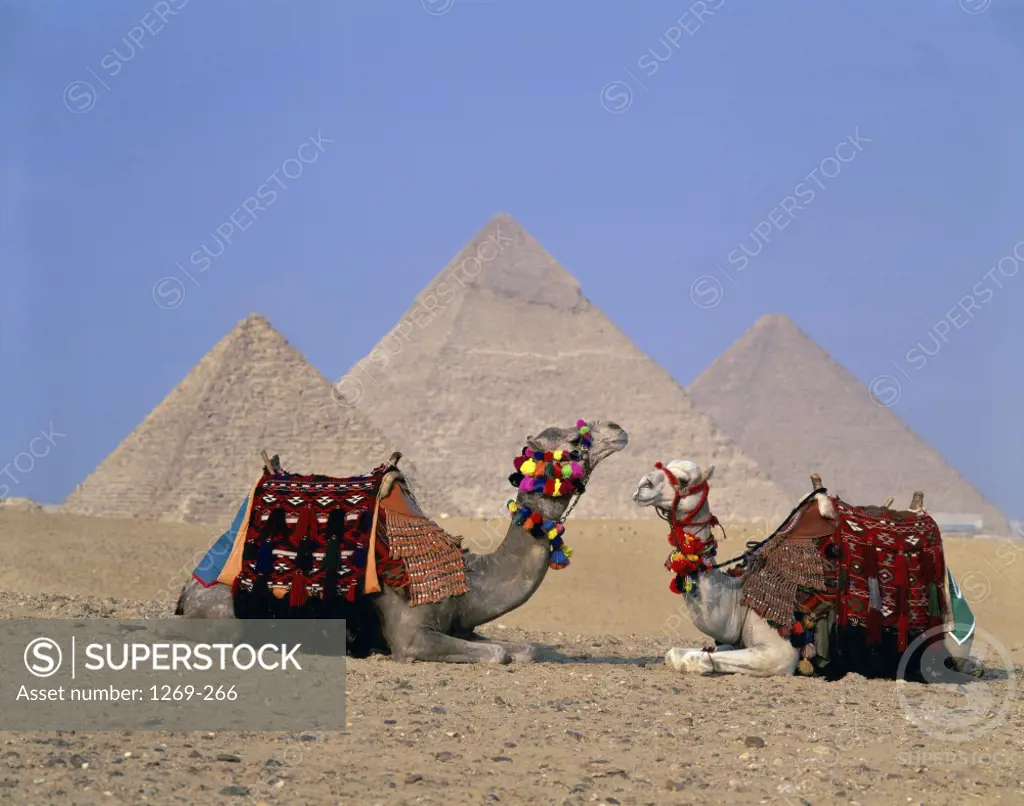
881 571
308 539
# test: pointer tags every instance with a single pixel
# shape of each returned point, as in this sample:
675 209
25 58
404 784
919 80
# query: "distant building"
959 522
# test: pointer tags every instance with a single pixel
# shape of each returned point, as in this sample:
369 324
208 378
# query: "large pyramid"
197 453
795 410
502 344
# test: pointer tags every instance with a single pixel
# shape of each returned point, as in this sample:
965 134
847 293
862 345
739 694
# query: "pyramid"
197 454
796 411
502 344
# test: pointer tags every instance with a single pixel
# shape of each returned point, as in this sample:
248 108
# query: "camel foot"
970 666
689 661
441 648
521 653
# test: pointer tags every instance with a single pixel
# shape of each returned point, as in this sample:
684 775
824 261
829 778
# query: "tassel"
331 566
558 559
260 589
901 576
934 611
805 668
265 557
874 624
874 595
903 618
298 596
902 626
235 585
302 525
870 562
304 556
809 651
927 568
332 555
330 586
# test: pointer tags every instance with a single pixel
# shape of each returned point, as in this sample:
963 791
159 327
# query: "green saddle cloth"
963 617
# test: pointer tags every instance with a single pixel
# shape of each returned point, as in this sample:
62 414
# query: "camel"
498 582
745 642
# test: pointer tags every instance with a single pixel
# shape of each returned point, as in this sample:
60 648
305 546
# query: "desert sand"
598 719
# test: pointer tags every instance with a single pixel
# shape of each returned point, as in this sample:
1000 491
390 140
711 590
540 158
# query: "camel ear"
708 473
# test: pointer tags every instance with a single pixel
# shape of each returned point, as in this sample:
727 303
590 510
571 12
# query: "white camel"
746 643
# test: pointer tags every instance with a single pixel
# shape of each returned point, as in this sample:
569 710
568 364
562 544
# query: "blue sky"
432 122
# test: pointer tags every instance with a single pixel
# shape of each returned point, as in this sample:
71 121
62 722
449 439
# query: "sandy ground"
598 720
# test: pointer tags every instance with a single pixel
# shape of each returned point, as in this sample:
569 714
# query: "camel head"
656 488
606 438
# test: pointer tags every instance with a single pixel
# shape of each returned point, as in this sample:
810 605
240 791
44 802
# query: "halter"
681 493
552 474
690 555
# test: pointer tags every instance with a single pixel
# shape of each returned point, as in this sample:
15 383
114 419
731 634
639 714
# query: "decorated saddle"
301 542
876 576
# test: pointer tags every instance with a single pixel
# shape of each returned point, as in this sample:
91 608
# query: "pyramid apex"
504 259
255 319
775 321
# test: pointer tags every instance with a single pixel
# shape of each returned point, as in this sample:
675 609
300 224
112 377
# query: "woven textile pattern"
296 519
881 571
433 559
787 569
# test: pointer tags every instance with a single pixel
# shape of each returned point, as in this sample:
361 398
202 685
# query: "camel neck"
700 521
506 578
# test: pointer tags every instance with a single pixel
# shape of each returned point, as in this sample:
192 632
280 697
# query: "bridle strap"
680 494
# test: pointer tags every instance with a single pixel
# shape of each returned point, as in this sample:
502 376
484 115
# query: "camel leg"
521 653
429 645
760 661
766 654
